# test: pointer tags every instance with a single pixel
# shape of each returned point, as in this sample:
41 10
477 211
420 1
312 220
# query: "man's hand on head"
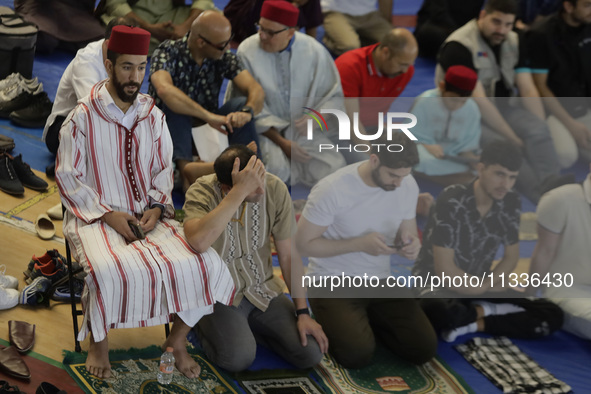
119 222
251 178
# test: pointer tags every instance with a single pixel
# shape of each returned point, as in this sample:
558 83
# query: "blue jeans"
180 129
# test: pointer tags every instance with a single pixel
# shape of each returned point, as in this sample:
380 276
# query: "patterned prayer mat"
134 371
389 373
278 382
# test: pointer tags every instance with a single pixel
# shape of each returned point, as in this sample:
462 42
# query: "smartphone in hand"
137 230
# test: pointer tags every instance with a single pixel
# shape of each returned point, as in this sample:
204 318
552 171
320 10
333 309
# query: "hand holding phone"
137 230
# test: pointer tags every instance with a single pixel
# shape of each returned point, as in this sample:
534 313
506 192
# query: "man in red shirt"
380 70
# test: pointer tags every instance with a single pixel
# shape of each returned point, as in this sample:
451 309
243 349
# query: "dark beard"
376 179
120 89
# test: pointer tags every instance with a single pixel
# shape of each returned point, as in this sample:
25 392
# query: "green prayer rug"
135 370
388 373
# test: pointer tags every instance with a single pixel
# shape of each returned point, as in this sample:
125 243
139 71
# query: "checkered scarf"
509 368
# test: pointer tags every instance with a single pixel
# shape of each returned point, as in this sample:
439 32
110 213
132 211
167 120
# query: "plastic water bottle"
166 366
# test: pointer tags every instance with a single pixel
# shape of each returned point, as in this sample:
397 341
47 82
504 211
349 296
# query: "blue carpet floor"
567 357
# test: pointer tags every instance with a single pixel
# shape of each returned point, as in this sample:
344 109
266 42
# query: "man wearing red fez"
448 128
114 172
295 71
489 46
186 77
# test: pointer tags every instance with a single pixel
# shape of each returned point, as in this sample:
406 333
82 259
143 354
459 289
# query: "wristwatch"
248 109
303 311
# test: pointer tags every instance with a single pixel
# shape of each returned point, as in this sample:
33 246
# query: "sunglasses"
270 33
219 47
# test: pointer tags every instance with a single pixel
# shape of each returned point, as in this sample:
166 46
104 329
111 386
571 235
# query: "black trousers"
539 318
52 139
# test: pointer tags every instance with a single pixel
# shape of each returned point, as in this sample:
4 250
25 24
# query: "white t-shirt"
349 7
567 211
83 72
350 208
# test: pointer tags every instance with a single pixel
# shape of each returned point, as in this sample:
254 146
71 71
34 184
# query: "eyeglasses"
270 33
219 47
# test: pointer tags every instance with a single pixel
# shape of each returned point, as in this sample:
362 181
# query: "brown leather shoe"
12 364
21 335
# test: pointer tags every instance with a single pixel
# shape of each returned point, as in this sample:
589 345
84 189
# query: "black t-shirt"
448 13
453 54
564 52
455 223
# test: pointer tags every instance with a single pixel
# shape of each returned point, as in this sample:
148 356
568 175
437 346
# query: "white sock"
451 335
490 308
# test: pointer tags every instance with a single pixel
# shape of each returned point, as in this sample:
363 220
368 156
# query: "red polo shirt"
361 78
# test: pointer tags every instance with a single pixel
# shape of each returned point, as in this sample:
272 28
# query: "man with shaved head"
378 73
186 76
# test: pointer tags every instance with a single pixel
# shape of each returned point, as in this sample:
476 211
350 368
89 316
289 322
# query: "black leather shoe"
27 176
9 182
35 114
21 101
48 388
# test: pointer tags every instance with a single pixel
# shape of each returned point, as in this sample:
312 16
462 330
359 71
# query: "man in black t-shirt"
560 59
489 46
468 225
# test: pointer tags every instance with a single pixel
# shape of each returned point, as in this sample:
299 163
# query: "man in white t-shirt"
347 23
83 72
561 256
354 220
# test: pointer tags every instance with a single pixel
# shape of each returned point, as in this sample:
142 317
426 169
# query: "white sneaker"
13 91
14 78
8 298
7 281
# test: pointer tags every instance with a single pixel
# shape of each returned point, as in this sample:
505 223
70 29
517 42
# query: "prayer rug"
388 373
135 370
278 381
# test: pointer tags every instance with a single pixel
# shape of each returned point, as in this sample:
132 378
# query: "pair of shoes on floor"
15 174
22 339
25 103
52 265
8 290
15 84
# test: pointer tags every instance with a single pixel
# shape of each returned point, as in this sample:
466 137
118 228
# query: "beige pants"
566 147
343 31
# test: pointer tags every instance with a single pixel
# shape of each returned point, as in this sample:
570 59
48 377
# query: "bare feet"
97 362
183 360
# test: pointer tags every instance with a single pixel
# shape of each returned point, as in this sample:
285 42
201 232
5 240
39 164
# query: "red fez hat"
461 77
280 11
127 40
